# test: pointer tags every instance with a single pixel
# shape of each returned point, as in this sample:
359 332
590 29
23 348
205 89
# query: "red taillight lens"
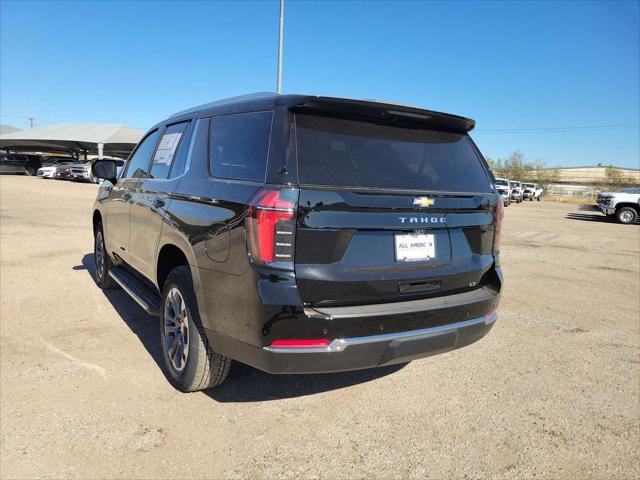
304 343
498 230
271 226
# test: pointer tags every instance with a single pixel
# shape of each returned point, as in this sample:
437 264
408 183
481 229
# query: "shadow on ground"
589 208
597 217
245 383
587 217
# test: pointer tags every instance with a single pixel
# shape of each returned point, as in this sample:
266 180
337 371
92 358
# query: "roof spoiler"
387 112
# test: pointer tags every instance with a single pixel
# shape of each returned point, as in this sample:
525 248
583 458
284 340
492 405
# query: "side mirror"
105 169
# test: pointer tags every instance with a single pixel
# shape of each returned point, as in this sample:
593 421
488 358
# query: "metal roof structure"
101 139
8 129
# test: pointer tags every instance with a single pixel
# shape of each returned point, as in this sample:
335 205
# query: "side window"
139 162
166 151
240 144
180 161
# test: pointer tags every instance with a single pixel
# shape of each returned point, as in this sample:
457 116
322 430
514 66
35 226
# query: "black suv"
302 234
19 163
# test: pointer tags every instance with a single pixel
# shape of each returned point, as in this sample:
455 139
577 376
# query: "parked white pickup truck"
516 190
503 188
624 204
531 191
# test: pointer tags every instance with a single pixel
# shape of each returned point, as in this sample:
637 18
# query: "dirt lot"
552 391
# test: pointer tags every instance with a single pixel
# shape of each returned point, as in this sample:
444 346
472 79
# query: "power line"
558 129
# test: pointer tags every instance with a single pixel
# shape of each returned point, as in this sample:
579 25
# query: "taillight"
305 343
498 229
271 227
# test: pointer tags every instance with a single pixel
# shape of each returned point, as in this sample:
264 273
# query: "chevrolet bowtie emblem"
423 201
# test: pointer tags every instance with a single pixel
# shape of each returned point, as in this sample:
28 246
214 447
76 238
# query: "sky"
558 81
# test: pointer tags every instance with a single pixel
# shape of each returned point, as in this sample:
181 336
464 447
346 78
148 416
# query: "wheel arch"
170 256
635 206
97 218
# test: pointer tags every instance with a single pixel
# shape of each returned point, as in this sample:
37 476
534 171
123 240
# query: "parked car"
623 204
56 167
302 234
503 188
19 163
517 193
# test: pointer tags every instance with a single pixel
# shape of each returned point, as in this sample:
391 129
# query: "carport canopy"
97 139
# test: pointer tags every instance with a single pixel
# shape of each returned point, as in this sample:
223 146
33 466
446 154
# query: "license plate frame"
414 247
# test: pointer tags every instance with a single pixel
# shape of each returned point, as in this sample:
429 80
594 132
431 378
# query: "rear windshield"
529 185
502 182
514 184
339 152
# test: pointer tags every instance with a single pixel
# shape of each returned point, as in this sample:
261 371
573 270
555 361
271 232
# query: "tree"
515 167
616 177
544 176
491 162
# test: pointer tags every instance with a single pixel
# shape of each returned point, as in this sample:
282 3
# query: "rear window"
240 144
339 152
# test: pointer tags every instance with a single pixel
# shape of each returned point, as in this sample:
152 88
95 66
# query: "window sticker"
167 148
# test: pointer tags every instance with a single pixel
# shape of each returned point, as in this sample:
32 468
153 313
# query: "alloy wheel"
175 330
99 255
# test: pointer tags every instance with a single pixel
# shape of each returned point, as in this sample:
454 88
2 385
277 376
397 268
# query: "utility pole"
30 122
280 47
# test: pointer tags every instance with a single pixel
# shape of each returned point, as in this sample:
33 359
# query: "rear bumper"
378 350
361 352
470 317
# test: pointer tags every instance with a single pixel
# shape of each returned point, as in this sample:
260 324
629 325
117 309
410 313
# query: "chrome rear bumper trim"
341 344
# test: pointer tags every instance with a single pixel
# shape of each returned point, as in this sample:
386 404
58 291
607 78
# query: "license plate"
415 247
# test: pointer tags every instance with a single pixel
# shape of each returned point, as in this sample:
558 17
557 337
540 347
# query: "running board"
137 289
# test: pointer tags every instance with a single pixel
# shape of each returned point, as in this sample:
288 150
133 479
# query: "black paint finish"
344 243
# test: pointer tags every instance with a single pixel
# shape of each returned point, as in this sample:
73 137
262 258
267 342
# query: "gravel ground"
553 391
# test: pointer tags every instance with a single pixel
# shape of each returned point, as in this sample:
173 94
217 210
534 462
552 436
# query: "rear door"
150 195
389 213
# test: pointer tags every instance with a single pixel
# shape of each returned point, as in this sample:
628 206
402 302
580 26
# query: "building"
589 180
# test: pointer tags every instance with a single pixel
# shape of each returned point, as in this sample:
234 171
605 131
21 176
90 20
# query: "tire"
102 260
31 171
626 215
538 198
190 365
